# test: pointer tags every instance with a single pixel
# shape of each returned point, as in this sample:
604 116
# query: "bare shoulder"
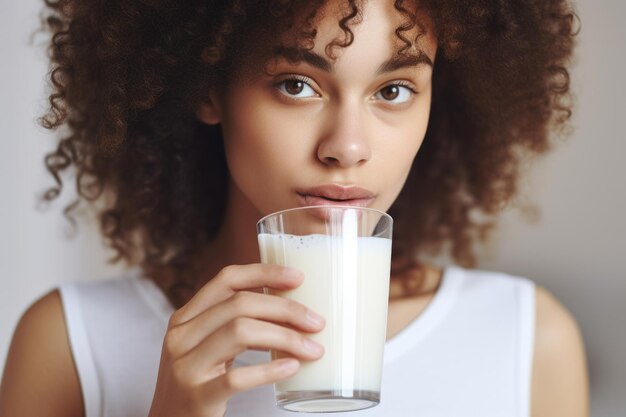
40 377
559 383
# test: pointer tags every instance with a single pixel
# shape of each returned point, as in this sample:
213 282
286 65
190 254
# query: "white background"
576 250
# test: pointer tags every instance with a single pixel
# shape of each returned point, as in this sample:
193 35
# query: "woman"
188 122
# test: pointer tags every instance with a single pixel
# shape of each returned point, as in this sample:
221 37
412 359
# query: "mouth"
311 200
335 195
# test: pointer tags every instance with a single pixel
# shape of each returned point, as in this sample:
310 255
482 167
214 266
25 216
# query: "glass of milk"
345 255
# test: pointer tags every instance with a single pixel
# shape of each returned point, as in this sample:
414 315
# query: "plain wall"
576 249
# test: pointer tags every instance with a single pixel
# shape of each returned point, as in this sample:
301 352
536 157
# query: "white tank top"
468 354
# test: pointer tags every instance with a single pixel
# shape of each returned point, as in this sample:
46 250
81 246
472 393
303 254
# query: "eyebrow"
318 61
401 61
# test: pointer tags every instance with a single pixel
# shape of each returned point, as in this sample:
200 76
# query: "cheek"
261 131
408 130
255 147
415 129
259 147
404 133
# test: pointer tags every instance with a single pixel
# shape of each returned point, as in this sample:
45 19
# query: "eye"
395 93
296 88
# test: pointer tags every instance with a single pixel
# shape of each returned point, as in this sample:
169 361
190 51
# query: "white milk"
350 289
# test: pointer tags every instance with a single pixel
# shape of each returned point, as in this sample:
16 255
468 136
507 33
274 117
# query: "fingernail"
313 347
314 318
292 274
288 365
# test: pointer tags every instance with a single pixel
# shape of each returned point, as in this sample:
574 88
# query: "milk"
346 280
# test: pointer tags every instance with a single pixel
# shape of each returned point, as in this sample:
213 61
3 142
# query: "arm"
559 382
40 378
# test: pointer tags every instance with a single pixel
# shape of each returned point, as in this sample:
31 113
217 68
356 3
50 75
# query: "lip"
308 200
335 195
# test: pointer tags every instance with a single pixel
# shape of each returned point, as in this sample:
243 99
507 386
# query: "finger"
243 304
235 278
248 377
247 333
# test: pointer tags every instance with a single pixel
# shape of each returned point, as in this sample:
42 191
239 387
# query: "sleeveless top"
469 353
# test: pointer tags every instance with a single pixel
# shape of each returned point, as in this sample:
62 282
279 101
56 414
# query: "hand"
222 320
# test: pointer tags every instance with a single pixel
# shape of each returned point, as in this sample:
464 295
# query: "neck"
236 242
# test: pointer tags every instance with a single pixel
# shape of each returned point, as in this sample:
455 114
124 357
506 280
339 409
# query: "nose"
344 142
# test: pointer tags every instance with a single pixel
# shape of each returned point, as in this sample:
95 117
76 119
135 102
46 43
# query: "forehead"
409 30
368 34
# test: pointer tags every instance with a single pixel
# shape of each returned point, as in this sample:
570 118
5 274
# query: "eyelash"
294 77
408 94
401 83
308 81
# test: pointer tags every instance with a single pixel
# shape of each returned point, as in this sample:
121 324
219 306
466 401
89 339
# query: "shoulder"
555 323
559 383
39 365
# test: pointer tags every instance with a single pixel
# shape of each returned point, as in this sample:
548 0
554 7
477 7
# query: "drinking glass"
345 255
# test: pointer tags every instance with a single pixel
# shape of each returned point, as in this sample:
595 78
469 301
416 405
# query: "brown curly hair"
127 76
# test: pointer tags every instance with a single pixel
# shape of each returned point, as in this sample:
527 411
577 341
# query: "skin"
339 131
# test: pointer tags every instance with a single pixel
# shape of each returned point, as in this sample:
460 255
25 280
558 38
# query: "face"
355 122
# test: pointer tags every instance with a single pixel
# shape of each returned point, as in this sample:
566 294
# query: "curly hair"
126 78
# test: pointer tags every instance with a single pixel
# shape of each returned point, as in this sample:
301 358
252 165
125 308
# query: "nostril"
345 153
